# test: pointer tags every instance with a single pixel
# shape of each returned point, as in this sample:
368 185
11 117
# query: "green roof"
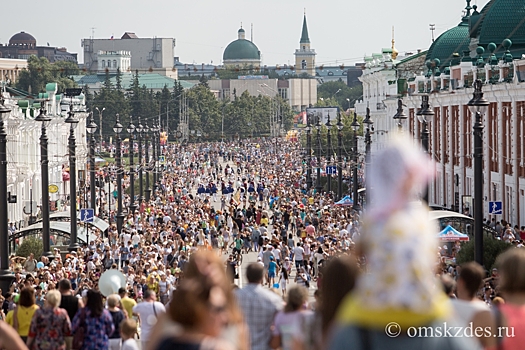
454 40
241 49
152 80
304 35
503 19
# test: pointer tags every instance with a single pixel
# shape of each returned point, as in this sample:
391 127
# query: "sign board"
323 113
87 214
162 159
331 170
53 188
496 208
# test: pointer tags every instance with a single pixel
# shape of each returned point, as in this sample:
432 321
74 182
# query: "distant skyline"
341 32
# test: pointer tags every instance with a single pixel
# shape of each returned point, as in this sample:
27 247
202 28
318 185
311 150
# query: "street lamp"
425 116
329 152
146 161
131 131
154 139
91 129
117 128
73 244
368 142
355 126
100 121
318 186
400 115
309 151
478 106
44 164
139 131
6 276
340 127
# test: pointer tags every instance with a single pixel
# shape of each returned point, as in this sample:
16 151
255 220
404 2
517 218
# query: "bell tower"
305 56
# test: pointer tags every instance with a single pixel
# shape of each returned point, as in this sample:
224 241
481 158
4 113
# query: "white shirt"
146 311
130 344
298 253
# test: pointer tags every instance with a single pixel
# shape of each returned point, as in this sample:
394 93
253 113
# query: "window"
103 64
304 47
114 63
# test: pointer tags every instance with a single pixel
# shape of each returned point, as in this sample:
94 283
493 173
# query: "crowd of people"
219 205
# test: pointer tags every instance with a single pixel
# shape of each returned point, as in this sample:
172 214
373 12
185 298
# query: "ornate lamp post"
309 152
73 244
329 152
340 127
355 127
368 141
139 130
44 165
318 186
117 128
153 130
146 161
6 276
131 131
478 106
425 116
400 115
91 129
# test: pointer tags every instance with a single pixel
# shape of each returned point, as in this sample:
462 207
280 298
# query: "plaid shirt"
259 306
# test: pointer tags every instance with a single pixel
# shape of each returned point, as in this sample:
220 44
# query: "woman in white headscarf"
399 289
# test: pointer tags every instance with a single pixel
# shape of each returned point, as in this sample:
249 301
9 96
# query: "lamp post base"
148 194
74 247
6 278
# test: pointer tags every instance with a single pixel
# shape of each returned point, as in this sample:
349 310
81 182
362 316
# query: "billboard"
324 113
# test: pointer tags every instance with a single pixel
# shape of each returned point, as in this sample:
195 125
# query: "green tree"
491 249
31 245
336 93
39 72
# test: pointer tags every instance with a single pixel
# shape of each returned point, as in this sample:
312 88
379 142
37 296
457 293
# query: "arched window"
103 64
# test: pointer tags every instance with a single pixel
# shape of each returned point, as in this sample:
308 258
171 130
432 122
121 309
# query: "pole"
354 172
141 188
154 154
146 162
309 153
329 155
318 186
118 157
424 141
73 241
6 276
44 164
478 189
92 172
132 205
339 158
100 185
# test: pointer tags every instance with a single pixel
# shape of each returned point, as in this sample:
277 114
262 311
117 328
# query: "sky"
340 31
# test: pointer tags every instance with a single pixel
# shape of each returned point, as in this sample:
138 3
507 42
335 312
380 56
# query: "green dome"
241 49
503 19
455 40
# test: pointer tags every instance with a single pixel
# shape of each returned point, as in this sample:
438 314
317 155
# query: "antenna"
432 28
93 32
251 34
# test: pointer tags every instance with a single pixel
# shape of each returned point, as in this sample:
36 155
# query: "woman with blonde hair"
207 265
50 325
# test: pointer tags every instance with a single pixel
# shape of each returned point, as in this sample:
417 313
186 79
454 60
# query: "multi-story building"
147 54
22 45
10 69
486 45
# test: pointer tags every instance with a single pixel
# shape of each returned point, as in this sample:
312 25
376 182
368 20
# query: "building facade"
22 45
10 69
146 53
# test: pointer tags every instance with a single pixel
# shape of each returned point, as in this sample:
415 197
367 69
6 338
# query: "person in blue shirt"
272 271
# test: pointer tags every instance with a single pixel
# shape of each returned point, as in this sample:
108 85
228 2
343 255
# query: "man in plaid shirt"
259 306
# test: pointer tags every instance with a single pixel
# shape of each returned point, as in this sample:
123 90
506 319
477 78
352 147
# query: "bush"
31 245
491 249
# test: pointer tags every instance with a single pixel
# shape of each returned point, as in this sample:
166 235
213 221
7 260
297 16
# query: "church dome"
455 40
502 19
241 49
22 38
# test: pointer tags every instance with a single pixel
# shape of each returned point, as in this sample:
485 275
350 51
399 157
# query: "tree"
335 93
31 245
39 72
491 249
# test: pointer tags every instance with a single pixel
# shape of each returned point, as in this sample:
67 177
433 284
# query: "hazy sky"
340 31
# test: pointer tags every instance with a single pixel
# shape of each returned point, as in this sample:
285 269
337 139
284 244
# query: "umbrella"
99 160
450 234
346 201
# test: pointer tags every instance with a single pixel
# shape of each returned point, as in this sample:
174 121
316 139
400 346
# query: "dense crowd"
218 204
